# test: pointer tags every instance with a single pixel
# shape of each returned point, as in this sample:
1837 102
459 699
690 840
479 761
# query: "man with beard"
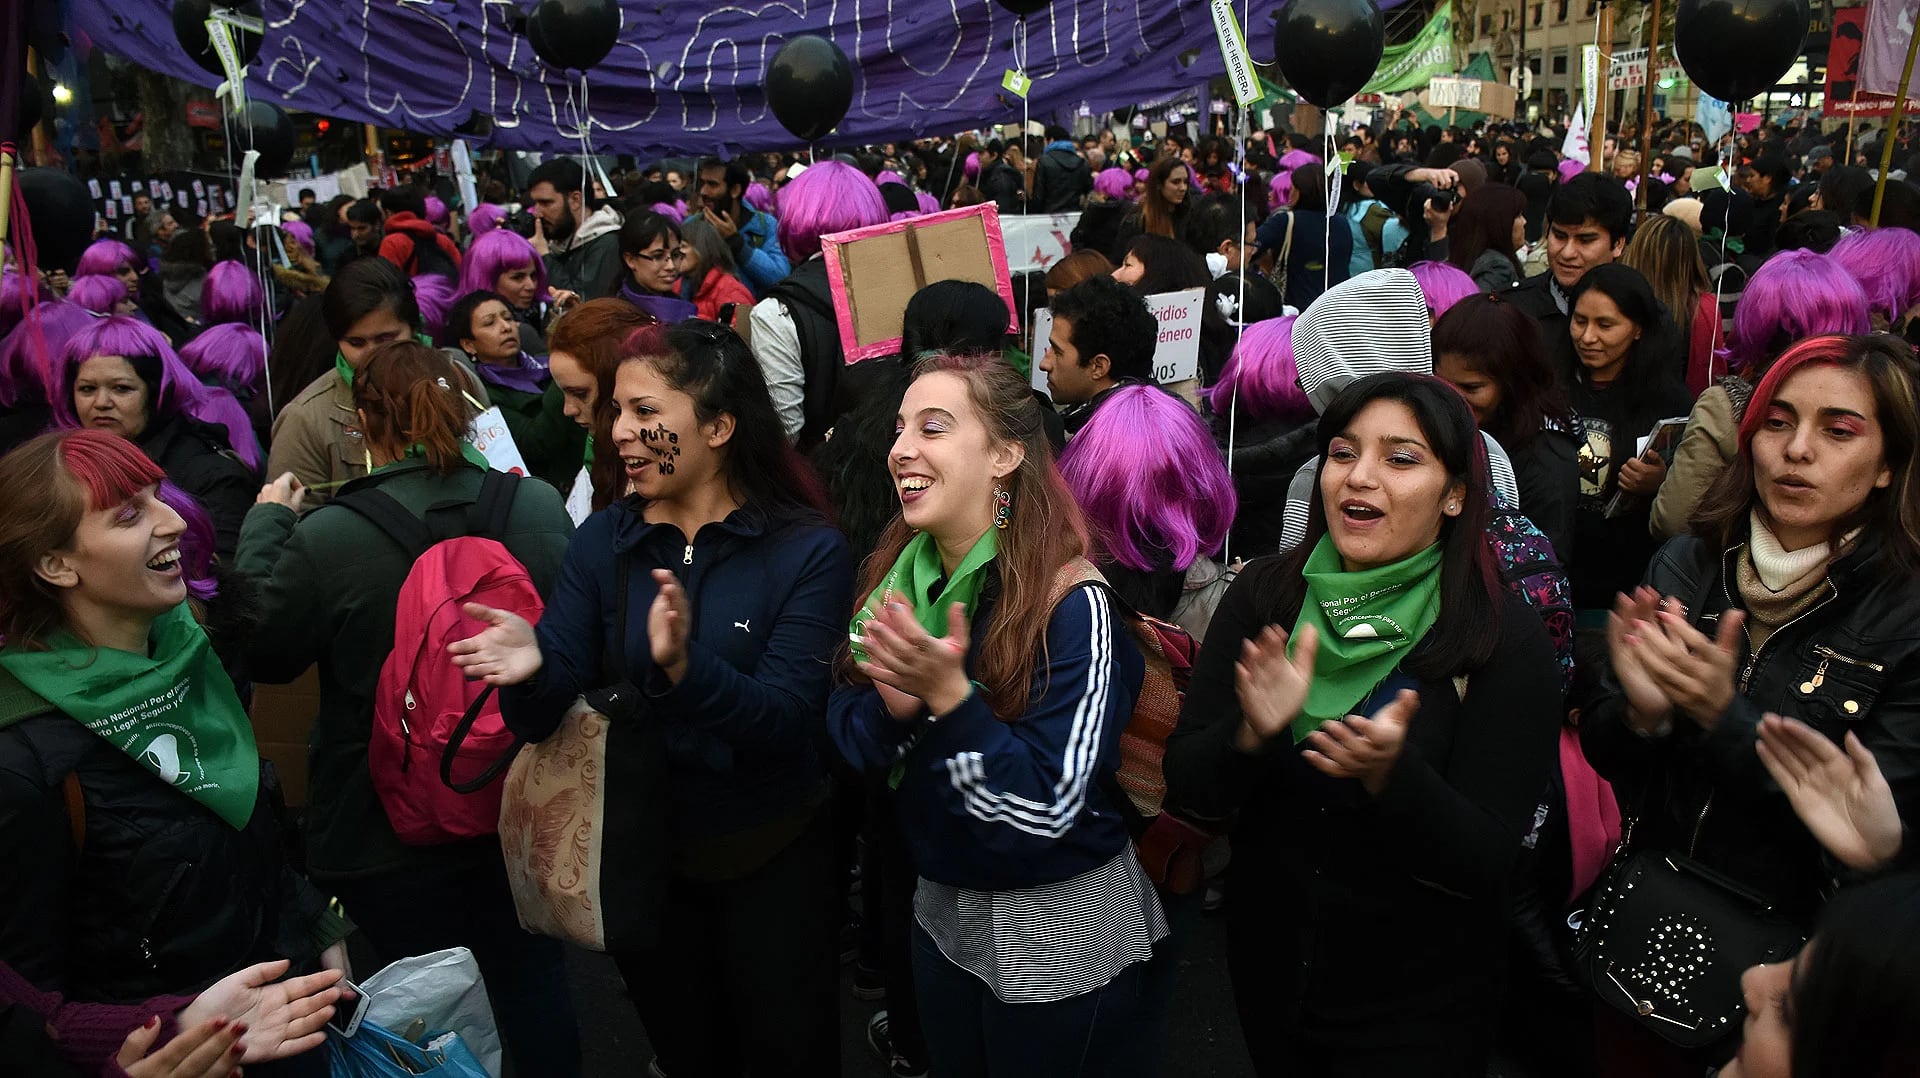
581 249
750 233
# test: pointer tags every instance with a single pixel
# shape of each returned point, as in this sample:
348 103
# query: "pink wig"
18 292
1886 262
1282 185
436 210
232 294
889 176
1142 175
1443 284
1113 184
970 171
485 218
495 253
1569 169
759 196
97 292
1793 296
31 352
1262 371
107 257
173 390
1146 473
436 296
233 356
300 233
928 203
827 198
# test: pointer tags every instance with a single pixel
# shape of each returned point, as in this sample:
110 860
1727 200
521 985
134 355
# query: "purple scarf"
529 376
668 309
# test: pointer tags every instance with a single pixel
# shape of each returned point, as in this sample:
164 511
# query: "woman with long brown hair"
1667 254
1163 206
583 356
990 677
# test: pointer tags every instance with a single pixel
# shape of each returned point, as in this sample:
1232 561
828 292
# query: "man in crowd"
579 242
363 227
1589 221
1000 181
409 240
1061 178
1768 186
750 233
1103 338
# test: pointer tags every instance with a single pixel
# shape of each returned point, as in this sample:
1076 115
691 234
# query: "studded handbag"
1665 939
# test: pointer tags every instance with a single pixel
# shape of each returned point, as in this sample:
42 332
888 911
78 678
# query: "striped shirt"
1051 942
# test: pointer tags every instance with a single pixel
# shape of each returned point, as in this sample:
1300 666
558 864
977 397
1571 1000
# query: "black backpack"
429 258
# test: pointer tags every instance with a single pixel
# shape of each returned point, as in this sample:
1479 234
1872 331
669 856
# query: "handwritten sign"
1448 92
495 442
1176 355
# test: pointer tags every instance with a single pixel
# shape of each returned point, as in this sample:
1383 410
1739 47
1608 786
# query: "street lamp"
62 95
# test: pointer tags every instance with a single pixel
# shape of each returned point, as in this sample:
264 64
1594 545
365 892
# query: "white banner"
1447 92
1575 148
1035 241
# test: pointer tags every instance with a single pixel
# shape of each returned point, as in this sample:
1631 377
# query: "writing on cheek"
663 442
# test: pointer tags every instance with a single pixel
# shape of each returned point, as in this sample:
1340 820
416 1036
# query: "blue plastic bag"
377 1052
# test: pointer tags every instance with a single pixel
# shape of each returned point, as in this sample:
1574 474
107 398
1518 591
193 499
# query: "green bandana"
1365 620
914 575
467 451
175 713
345 370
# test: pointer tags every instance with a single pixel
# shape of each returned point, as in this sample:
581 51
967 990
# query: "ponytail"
411 397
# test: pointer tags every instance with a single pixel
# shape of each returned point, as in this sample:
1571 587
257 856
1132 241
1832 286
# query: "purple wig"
106 257
197 543
1159 496
1569 169
436 210
436 296
1262 370
889 176
31 352
928 203
970 171
233 356
495 253
1142 175
97 292
827 198
300 233
485 218
232 294
172 388
18 292
759 196
1886 262
1443 284
1282 186
1113 184
1793 296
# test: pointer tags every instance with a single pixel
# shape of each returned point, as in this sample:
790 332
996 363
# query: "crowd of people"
1522 519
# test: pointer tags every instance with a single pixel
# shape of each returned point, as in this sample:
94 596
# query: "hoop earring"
1002 508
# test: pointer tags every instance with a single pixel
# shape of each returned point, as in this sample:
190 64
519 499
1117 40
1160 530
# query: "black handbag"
1665 939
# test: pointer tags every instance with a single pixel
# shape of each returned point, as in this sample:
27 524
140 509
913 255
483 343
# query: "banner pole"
1646 108
1602 91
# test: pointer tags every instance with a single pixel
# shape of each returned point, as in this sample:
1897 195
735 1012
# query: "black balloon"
1734 49
61 212
809 86
1327 49
1023 7
190 29
264 127
573 33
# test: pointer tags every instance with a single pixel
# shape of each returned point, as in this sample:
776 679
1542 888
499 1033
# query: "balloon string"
1020 65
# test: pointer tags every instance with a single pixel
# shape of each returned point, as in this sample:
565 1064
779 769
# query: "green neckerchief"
175 713
342 368
1365 620
587 461
1736 244
914 575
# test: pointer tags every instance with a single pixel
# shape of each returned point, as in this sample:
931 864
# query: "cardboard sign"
874 271
1176 356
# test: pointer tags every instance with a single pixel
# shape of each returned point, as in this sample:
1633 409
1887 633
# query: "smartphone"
349 1013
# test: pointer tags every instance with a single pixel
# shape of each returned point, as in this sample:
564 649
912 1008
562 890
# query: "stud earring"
1002 508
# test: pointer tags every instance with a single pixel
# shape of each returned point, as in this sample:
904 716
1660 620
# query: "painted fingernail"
152 1023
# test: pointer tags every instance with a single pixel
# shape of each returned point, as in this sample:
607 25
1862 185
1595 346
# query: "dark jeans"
972 1034
419 911
745 979
887 883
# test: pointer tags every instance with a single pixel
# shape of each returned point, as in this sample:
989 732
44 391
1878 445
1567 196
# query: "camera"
1425 193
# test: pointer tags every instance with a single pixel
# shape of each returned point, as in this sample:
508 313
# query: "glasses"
657 257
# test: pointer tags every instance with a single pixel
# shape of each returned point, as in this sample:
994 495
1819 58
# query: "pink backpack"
429 720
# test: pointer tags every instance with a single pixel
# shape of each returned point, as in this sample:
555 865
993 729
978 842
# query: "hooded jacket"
1061 180
405 233
588 262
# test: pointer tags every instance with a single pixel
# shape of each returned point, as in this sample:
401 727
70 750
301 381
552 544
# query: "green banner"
1412 65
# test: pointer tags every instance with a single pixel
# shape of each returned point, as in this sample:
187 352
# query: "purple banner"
685 77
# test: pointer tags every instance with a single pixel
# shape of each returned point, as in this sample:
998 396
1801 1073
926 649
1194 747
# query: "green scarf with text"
1366 620
915 573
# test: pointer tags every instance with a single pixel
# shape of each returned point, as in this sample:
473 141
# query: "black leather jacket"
1850 663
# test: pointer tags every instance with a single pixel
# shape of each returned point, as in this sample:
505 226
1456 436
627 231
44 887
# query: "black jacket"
1099 226
1002 185
196 458
1374 927
1850 664
1547 470
1537 296
1061 180
163 897
1265 458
